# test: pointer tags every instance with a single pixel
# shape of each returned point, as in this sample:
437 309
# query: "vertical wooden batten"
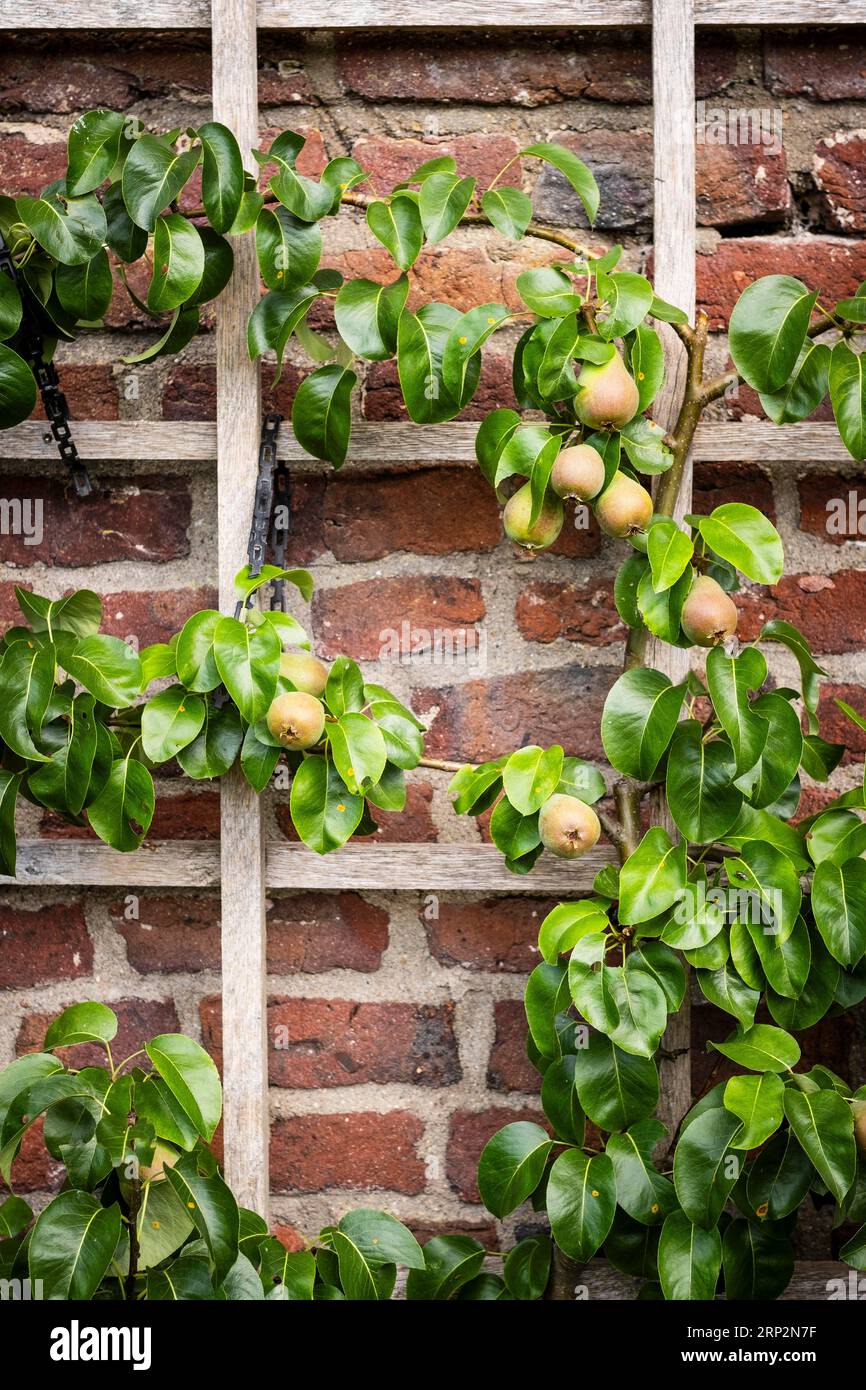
674 251
244 1019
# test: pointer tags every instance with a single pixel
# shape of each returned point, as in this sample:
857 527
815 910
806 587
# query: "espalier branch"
769 914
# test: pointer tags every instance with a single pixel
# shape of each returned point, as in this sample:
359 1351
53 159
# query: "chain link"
270 524
29 339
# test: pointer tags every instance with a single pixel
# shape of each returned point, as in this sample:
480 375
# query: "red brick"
830 610
826 65
90 390
525 70
483 718
840 162
30 165
176 932
317 1043
41 944
184 816
190 391
813 800
430 511
509 1068
142 519
820 494
413 824
138 1020
498 934
60 82
315 932
392 619
282 80
451 274
364 1151
153 615
621 161
124 313
741 183
828 264
835 725
391 161
549 609
34 1170
383 399
717 483
469 1132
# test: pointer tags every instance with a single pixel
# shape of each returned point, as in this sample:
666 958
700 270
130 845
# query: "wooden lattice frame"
242 865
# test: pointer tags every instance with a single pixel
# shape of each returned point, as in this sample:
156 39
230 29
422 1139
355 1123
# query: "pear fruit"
306 672
607 397
624 508
709 615
578 472
296 719
859 1109
547 527
568 827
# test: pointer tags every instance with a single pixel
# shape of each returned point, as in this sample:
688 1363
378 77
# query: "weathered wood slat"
810 1281
398 443
416 14
196 864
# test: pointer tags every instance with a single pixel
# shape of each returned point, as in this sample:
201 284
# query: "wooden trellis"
243 866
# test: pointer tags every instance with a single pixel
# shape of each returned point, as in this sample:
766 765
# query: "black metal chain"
270 524
29 339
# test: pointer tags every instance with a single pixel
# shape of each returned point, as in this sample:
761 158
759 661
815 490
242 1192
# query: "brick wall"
400 1015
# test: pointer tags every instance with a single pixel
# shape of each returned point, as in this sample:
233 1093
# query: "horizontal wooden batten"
416 14
399 443
196 864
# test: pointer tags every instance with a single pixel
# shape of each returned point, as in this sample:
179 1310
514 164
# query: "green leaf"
641 1005
767 329
248 660
559 1098
222 175
705 1165
217 745
668 313
839 905
72 1245
153 176
10 307
652 878
9 785
442 202
72 232
837 836
288 249
274 320
814 997
628 297
848 394
381 1238
725 988
548 292
743 536
758 1102
63 783
344 691
85 290
358 749
367 315
646 363
615 1088
697 918
509 210
757 1263
324 811
556 378
321 416
127 241
181 330
93 149
121 813
246 584
513 833
17 388
26 683
80 1023
530 776
212 1209
511 1166
730 678
466 338
178 263
186 1280
788 636
581 1202
805 389
579 176
196 666
169 722
670 550
451 1263
640 714
109 668
15 1214
824 1126
771 878
689 1259
779 1178
641 1190
527 1268
762 1048
700 789
421 341
397 225
191 1077
564 926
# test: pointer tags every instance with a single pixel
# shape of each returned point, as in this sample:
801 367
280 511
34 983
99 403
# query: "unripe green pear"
296 719
859 1109
607 397
578 472
624 507
305 672
709 615
567 826
547 527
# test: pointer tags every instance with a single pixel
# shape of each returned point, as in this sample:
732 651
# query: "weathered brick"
90 390
499 934
445 272
34 1170
153 616
621 161
509 1068
337 1042
835 724
30 165
717 483
840 173
828 65
430 511
383 399
41 944
179 931
549 609
190 390
183 816
143 519
827 264
830 610
364 1151
832 508
138 1020
60 82
430 619
482 718
282 79
413 824
741 182
314 932
391 161
469 1132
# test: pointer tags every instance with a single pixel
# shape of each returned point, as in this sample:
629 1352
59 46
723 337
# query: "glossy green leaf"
222 175
706 1167
72 232
178 263
465 340
367 315
248 661
615 1088
848 394
509 210
26 683
153 176
548 292
839 905
559 1099
689 1259
421 341
579 176
196 666
213 751
90 1022
762 1048
727 990
397 225
640 715
451 1262
85 290
531 776
652 878
669 550
700 789
757 1263
324 811
628 298
169 722
581 1201
511 1166
768 328
824 1126
212 1209
72 1245
274 320
779 1178
321 416
527 1268
641 1189
442 202
746 538
107 667
758 1102
17 388
730 679
805 389
121 813
93 148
